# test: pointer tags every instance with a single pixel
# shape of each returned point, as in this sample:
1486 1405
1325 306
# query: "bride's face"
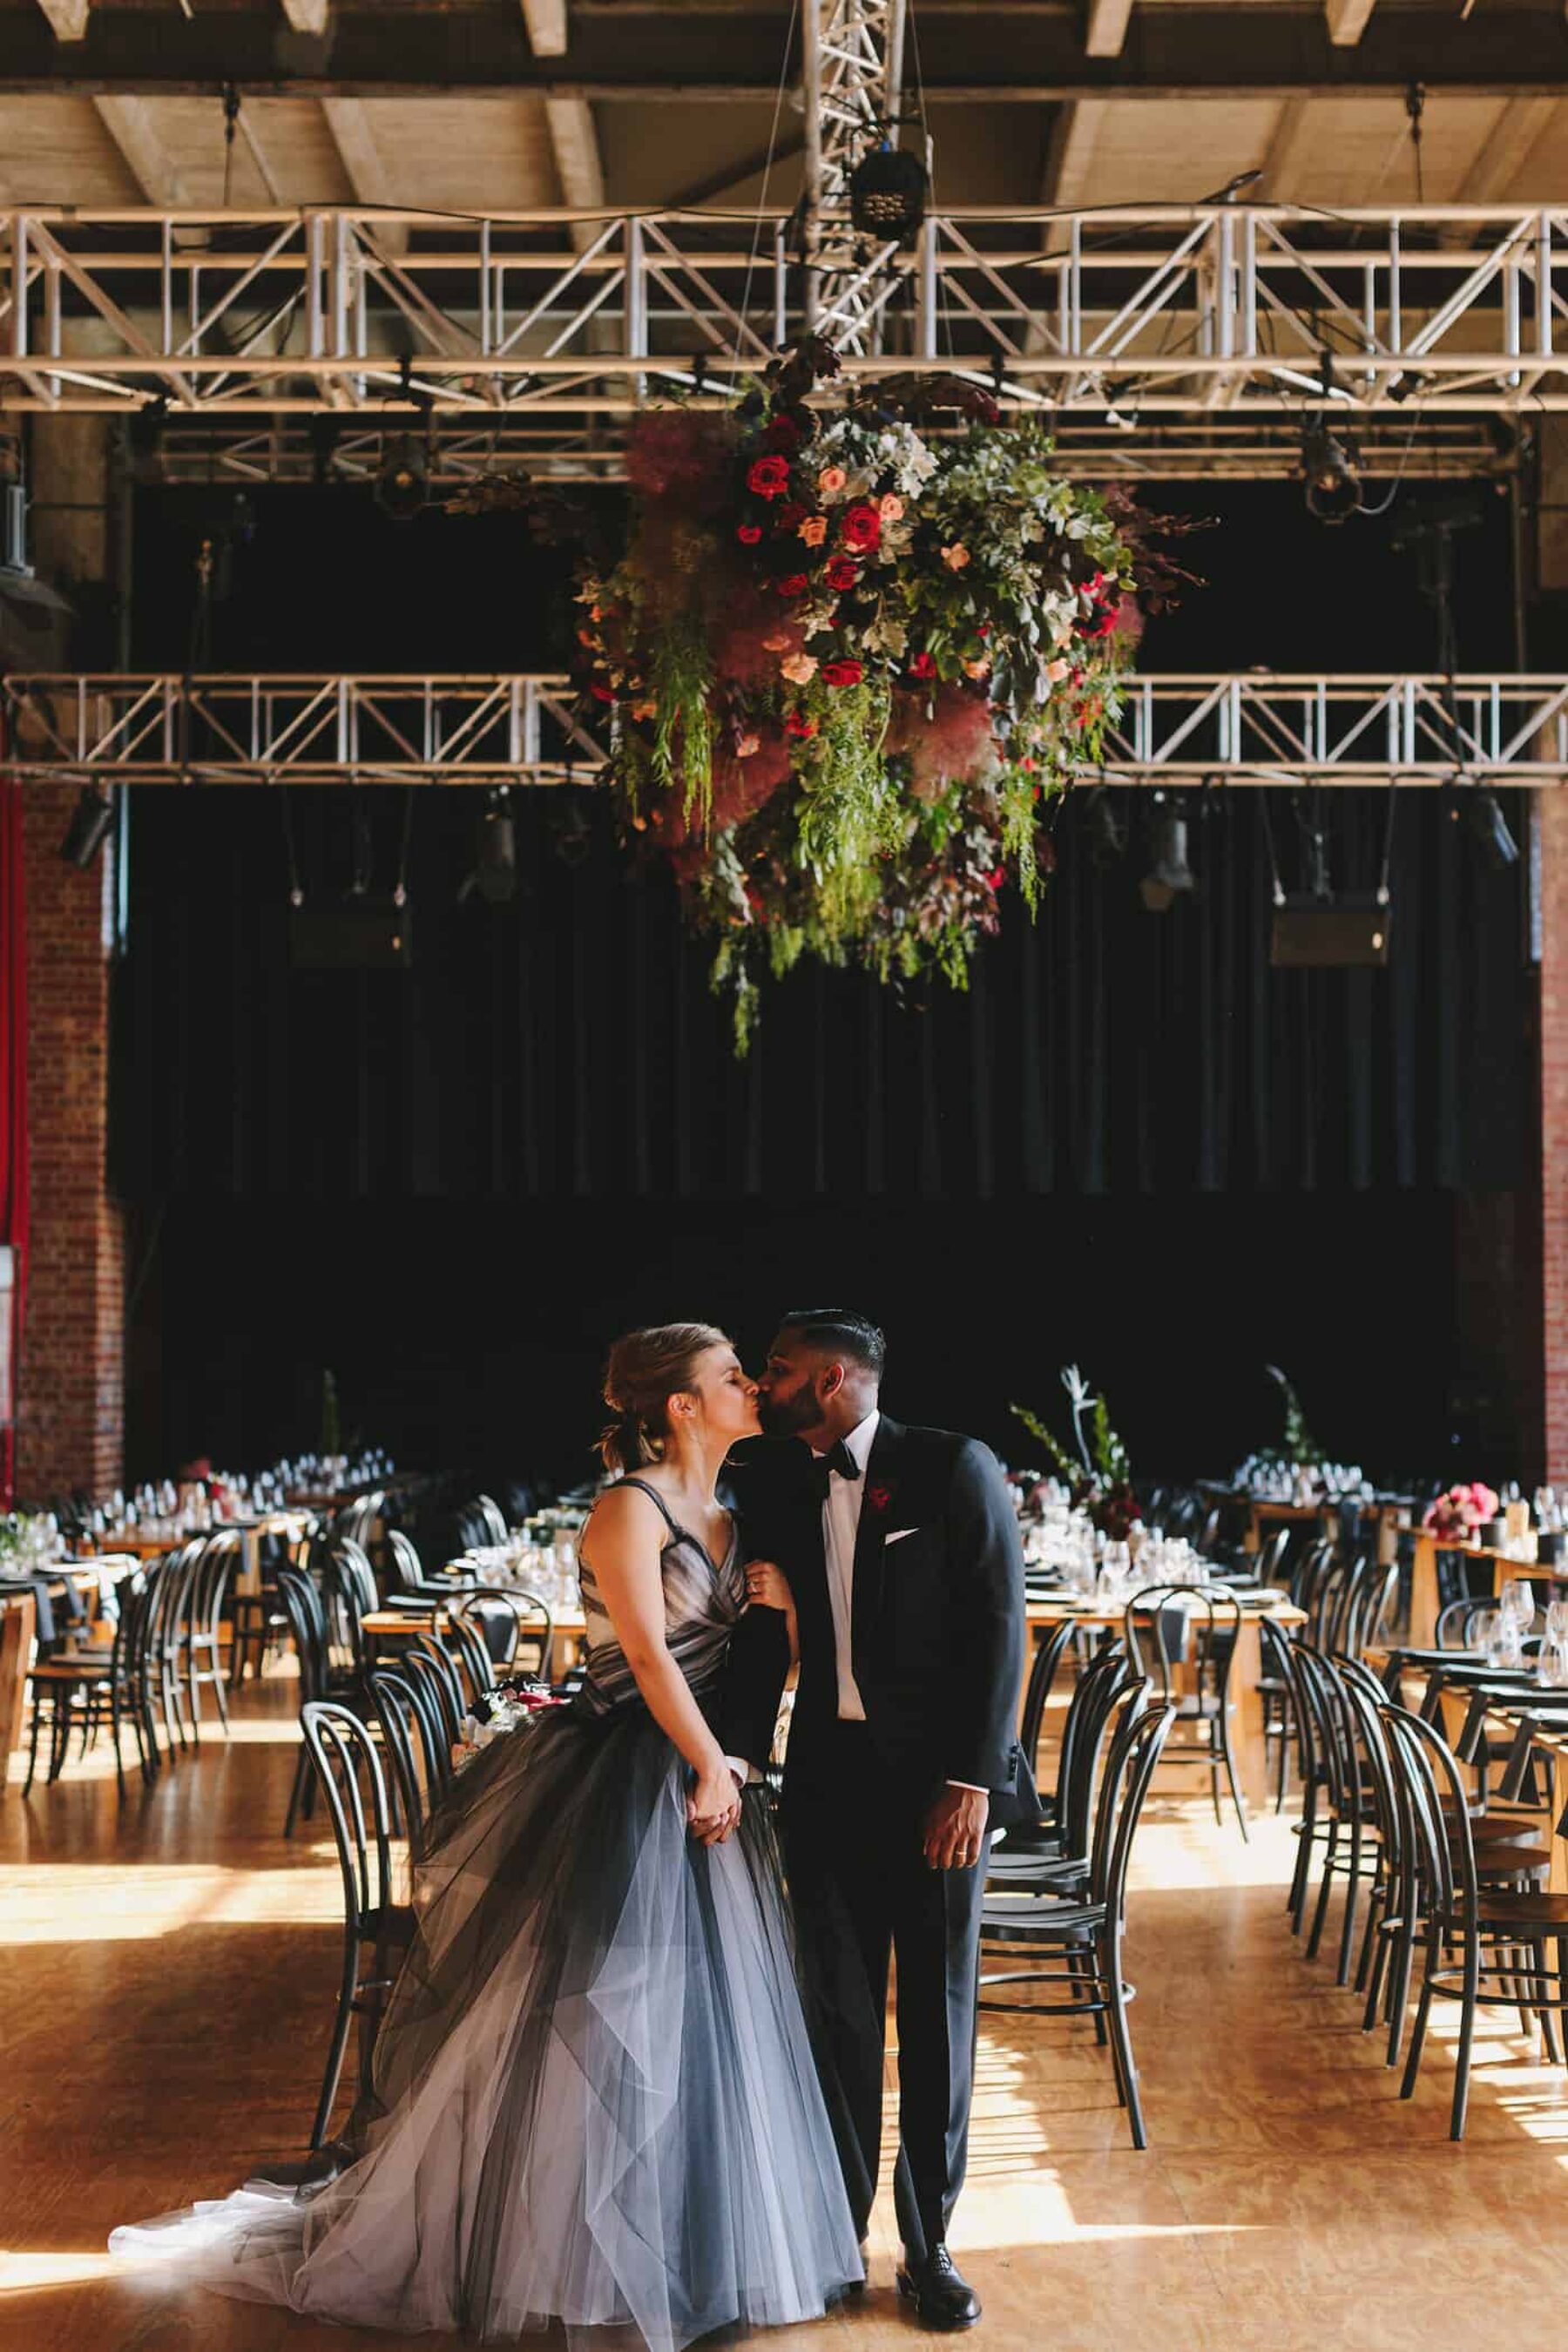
726 1399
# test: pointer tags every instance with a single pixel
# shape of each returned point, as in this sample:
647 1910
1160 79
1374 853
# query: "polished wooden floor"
167 1980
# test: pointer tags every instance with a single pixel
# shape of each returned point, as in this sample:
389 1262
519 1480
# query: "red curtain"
13 1116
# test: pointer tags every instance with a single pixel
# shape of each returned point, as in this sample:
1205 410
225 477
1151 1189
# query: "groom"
901 1548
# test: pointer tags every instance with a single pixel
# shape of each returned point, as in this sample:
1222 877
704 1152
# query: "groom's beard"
787 1416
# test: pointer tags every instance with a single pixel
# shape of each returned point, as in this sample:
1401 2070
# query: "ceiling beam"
308 15
725 182
988 55
69 19
364 168
546 22
1507 149
1107 27
1278 176
575 142
1347 21
129 122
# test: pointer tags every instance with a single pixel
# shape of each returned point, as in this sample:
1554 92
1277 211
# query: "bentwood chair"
215 1564
1081 1930
411 1738
1484 1947
1167 1625
376 1928
1061 1835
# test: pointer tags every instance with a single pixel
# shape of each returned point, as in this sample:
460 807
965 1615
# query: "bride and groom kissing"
630 2074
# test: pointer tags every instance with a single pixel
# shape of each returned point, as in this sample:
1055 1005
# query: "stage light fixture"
1333 485
402 483
888 191
1169 876
1104 837
494 877
1119 411
1491 828
88 828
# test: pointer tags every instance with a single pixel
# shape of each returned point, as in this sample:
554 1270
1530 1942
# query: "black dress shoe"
940 2297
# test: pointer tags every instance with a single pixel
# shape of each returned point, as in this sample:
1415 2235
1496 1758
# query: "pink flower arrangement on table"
1462 1509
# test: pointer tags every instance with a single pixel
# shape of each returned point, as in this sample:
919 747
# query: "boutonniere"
878 1498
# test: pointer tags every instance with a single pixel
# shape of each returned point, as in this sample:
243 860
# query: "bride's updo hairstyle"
645 1370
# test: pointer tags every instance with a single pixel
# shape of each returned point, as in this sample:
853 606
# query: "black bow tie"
837 1458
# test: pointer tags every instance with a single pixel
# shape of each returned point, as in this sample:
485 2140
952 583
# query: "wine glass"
1518 1603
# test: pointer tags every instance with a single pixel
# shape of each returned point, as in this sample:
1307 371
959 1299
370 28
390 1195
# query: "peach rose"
813 530
800 668
1056 671
955 557
831 480
891 509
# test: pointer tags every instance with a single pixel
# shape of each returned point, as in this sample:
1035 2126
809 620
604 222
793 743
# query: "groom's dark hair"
842 1332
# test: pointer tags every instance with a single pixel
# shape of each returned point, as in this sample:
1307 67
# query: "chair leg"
1423 2012
301 1770
1374 1981
1122 2039
33 1741
339 2043
219 1691
115 1714
1353 1897
1321 1914
1369 1935
1543 2008
1296 1901
1223 1719
1466 2034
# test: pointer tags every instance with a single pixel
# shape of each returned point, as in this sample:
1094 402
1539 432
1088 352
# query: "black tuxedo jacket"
938 1625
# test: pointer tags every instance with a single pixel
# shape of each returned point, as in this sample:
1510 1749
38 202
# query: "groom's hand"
955 1829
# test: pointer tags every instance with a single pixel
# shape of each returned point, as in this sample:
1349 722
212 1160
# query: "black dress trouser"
862 1890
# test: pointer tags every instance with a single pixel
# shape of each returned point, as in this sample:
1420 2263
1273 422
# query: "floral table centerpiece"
849 658
1101 1474
1462 1512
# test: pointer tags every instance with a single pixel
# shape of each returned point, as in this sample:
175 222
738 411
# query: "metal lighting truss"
1222 315
852 71
1176 731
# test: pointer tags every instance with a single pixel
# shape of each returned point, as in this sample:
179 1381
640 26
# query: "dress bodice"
702 1603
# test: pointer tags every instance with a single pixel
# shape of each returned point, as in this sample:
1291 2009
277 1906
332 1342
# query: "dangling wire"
230 125
768 170
296 888
1415 106
400 889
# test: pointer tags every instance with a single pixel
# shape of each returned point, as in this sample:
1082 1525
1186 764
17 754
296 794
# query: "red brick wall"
70 1388
1553 809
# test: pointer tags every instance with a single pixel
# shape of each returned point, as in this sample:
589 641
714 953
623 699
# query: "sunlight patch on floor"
94 1903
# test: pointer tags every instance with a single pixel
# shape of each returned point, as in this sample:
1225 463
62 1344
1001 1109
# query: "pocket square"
898 1535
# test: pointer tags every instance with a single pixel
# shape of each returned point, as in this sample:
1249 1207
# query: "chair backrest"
356 1518
349 1770
1442 1854
1140 1728
1207 1622
1271 1554
171 1599
134 1594
426 1657
403 1560
215 1563
466 1642
532 1619
1371 1601
411 1732
1312 1565
349 1593
494 1517
1038 1692
1108 1675
1332 1736
307 1624
1455 1619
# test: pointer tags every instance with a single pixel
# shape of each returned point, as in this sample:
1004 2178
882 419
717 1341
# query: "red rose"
841 573
790 515
784 434
769 477
796 584
924 666
878 1498
748 533
843 673
601 693
862 527
796 725
996 878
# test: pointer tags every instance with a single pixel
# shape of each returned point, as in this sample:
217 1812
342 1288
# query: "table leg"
18 1620
1248 1743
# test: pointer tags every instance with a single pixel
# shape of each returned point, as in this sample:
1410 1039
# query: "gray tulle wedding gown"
596 2103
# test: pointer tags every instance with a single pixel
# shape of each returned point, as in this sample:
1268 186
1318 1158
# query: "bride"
594 2098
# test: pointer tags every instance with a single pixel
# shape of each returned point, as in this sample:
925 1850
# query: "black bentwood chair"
375 1927
1484 1947
412 1737
1167 1624
1084 1930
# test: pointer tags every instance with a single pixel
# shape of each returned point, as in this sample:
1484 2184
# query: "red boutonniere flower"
862 527
843 673
769 477
878 1498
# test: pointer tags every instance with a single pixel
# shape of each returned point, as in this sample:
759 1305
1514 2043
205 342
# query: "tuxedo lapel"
881 1483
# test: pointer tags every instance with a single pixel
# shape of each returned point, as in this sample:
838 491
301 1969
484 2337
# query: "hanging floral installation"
849 658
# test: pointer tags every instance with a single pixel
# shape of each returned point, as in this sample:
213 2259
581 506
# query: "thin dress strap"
654 1496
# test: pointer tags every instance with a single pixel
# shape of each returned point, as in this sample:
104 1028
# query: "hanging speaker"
1312 933
352 935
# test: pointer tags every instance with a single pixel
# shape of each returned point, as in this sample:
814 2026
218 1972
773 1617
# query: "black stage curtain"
567 1045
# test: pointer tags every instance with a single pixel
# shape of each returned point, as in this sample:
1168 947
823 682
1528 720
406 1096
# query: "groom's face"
789 1402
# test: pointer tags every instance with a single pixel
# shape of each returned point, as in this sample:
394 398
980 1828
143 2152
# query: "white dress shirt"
840 1529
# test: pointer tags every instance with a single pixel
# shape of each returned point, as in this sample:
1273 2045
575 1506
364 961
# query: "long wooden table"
1425 1603
392 1627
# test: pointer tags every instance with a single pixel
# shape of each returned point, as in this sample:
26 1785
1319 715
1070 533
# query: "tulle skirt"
595 2098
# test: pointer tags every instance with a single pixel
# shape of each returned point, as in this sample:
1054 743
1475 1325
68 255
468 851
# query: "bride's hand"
767 1587
713 1806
